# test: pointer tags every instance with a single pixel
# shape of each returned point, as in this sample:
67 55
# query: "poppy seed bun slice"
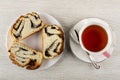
26 26
52 41
25 56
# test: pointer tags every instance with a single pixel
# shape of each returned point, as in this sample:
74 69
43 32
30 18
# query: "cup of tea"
93 35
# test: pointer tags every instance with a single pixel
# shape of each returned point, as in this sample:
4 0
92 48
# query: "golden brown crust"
12 57
33 31
31 65
62 37
11 30
43 41
18 20
62 43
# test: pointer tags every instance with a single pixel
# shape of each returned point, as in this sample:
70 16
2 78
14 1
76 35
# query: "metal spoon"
89 56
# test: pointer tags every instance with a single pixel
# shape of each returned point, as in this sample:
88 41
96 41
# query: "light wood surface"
68 13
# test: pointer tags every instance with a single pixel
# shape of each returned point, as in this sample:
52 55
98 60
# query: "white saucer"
80 53
35 41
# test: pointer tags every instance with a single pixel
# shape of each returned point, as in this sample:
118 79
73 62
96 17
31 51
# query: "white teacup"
85 23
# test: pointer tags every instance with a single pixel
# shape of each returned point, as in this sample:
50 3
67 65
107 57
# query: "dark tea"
94 38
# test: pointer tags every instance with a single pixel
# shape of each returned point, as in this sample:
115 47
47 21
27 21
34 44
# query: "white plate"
35 41
81 54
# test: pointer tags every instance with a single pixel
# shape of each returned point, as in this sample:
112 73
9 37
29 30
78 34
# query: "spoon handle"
93 62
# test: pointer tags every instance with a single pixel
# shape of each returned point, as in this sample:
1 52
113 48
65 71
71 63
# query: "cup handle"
74 36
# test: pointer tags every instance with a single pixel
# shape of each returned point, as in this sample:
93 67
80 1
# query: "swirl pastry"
52 41
26 26
24 56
